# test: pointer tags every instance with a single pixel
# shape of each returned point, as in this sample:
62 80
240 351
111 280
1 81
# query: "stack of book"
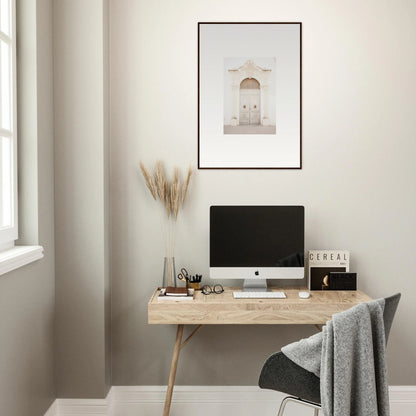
176 293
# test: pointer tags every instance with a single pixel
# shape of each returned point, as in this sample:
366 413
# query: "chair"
282 374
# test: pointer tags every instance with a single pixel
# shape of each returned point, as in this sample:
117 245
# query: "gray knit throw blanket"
349 357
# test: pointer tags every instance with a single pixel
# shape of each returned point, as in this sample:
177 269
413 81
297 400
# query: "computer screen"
257 242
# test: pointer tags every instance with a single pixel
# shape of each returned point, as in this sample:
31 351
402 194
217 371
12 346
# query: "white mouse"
304 295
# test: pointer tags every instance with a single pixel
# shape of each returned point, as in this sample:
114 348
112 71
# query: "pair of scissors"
183 275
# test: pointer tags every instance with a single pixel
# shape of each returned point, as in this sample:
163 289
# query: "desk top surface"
223 309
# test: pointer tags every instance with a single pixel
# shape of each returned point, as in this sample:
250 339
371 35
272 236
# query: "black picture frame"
203 165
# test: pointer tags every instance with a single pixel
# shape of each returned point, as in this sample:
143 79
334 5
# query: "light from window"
8 227
5 17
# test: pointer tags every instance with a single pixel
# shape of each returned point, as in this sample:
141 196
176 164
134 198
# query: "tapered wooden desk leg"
173 367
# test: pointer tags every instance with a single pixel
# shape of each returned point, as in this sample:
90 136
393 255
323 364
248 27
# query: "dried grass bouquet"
172 196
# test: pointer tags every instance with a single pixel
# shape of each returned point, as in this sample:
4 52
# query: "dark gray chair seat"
282 374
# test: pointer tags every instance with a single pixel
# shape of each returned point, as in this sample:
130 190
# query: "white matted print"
249 95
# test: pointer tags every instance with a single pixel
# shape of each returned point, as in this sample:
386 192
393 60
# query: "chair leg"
315 406
283 405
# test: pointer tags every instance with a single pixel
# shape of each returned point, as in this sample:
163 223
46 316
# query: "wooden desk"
223 309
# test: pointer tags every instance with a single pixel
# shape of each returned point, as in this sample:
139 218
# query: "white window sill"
19 256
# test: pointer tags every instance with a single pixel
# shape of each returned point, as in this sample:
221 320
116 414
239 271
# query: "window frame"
14 256
8 235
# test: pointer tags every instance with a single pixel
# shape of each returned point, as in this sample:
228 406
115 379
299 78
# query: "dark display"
257 236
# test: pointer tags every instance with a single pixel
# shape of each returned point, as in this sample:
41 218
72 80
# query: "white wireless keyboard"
259 295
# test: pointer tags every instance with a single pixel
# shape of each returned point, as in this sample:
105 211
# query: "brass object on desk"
192 281
194 285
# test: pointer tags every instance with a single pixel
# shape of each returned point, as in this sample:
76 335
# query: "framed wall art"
249 95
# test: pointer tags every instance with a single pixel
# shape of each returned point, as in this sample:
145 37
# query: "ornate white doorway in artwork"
250 102
250 95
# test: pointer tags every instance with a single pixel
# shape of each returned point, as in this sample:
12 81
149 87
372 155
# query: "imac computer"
256 243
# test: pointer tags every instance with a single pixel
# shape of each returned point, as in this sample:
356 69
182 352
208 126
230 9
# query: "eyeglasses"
217 289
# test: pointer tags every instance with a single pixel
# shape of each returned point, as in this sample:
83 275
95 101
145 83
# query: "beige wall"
82 364
357 183
27 294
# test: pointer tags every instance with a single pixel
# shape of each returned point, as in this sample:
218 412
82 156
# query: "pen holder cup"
195 286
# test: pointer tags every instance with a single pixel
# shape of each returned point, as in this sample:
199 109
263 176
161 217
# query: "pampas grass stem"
186 184
149 180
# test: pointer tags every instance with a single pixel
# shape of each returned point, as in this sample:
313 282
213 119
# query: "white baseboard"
53 410
204 401
84 407
402 400
197 400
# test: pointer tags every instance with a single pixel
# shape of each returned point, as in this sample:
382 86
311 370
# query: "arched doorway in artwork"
250 88
250 102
